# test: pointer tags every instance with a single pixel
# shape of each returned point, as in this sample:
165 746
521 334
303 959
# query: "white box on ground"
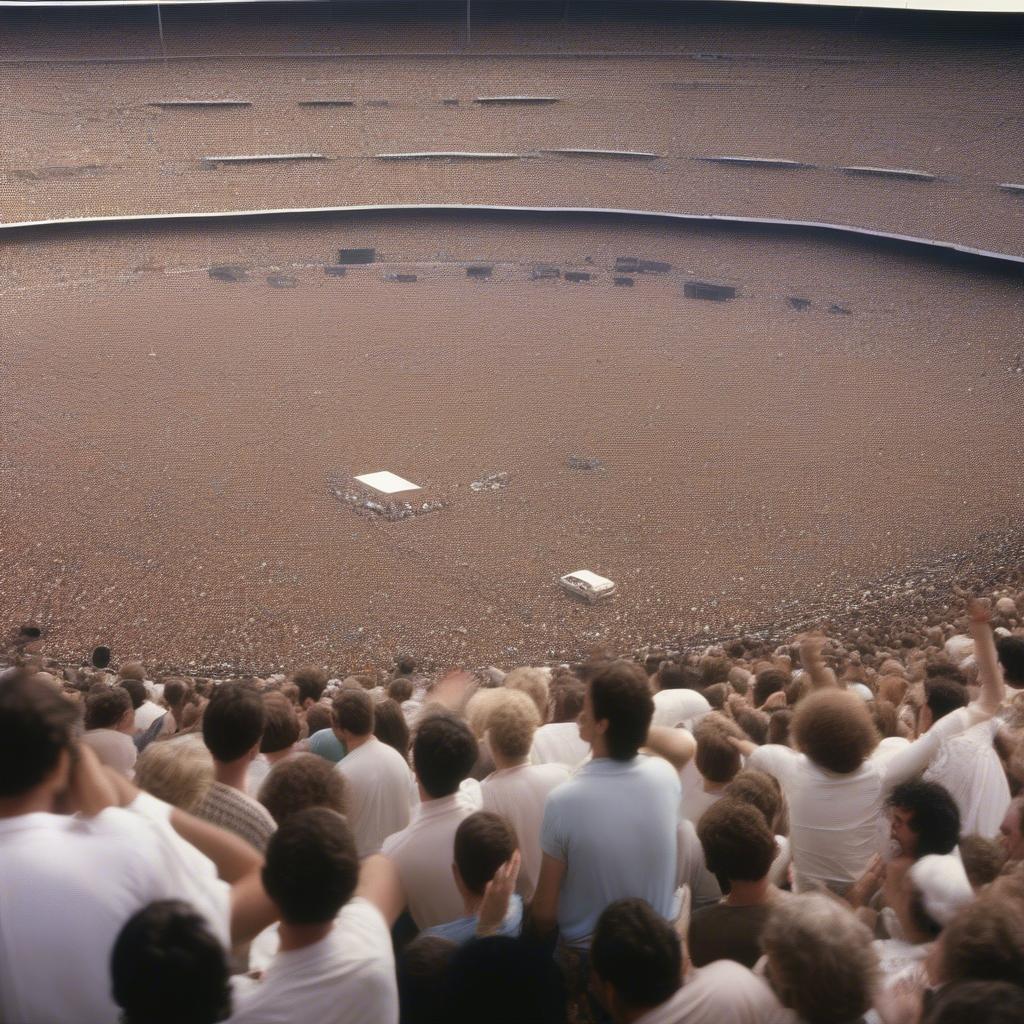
587 585
387 483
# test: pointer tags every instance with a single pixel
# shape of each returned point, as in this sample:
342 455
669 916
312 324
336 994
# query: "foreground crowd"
824 832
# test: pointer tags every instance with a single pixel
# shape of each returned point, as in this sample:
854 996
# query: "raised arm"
990 672
677 746
379 883
821 675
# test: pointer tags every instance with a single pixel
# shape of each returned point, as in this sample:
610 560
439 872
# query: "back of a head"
714 669
353 712
779 724
738 844
300 782
983 859
717 759
175 691
977 1002
767 682
985 942
106 706
405 664
944 696
934 815
483 842
36 727
318 716
233 721
674 676
621 694
1011 656
281 724
504 981
759 789
168 968
311 682
422 974
444 752
135 689
132 670
178 771
567 693
390 726
511 722
637 953
400 689
820 959
534 683
834 729
311 868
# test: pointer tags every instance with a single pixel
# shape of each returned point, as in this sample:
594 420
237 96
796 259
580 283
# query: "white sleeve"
776 760
188 874
913 760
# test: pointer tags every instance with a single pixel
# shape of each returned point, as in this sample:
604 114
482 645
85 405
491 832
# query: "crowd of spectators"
826 831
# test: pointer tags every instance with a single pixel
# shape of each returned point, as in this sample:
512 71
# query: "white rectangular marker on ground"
387 483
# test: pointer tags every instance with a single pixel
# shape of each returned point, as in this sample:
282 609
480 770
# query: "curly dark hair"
934 816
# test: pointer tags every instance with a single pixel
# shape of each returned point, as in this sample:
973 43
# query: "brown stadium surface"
849 422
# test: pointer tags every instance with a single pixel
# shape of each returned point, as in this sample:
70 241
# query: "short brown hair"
834 729
280 723
983 858
400 689
483 842
738 844
353 712
717 759
760 790
511 722
104 708
301 781
767 682
311 682
820 959
779 722
985 942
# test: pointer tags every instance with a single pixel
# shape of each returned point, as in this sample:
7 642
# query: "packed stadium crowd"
826 831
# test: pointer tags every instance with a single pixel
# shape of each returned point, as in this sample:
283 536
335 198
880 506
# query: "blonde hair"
512 721
179 771
534 683
478 710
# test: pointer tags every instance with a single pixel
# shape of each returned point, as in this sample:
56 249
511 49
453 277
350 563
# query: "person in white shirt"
335 939
717 762
636 959
517 790
70 883
558 741
110 726
610 832
444 752
379 787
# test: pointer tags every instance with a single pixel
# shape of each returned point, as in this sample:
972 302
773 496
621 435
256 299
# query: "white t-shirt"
724 991
679 707
697 800
836 820
423 853
379 790
559 743
146 714
347 976
614 825
67 887
518 795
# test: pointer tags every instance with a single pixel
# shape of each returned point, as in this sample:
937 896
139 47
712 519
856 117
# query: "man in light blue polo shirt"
609 832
